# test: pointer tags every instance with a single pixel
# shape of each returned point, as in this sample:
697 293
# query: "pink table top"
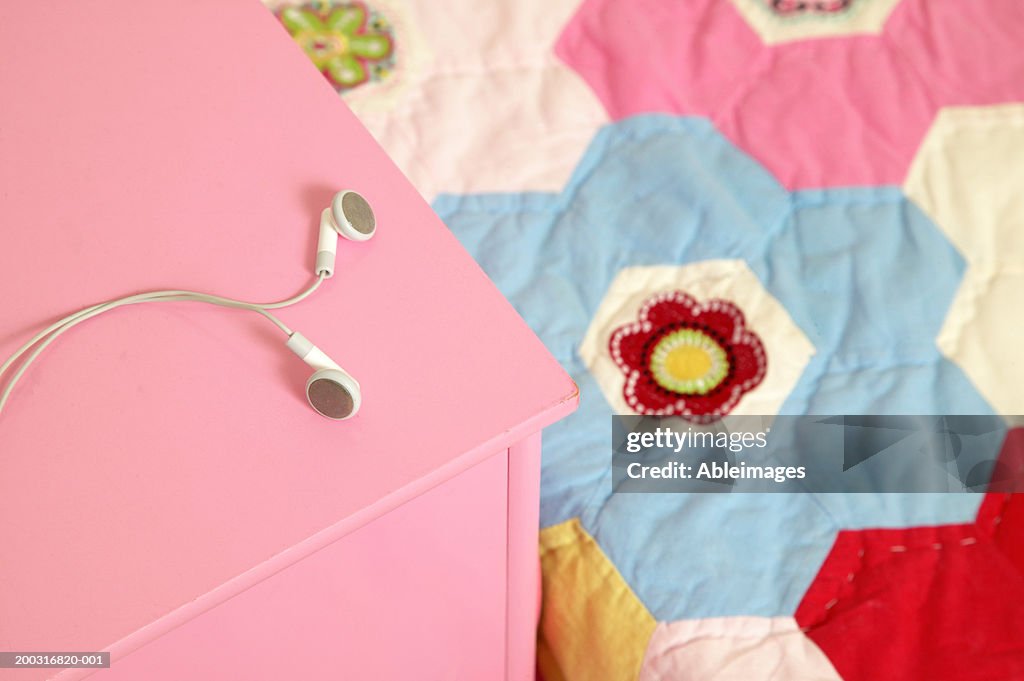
161 458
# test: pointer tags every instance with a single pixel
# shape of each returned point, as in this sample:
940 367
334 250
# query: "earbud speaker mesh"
358 213
330 398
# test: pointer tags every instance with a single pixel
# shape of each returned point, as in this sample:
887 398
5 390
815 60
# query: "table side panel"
418 593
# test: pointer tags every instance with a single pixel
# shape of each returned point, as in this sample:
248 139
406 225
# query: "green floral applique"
348 42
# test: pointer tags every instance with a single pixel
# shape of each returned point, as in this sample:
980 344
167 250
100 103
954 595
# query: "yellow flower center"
687 363
322 47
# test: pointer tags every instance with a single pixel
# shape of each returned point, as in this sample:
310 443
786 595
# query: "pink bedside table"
165 492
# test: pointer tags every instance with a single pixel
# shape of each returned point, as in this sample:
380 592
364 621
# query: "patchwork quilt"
830 195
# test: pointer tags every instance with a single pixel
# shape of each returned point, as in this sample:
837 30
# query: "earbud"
348 215
331 391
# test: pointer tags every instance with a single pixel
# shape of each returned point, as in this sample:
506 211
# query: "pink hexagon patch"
832 111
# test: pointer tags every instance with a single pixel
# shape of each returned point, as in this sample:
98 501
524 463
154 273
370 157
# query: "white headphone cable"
52 332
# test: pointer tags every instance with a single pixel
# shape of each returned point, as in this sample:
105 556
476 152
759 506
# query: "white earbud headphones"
331 391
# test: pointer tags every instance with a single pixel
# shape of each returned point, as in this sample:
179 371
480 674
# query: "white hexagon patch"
966 177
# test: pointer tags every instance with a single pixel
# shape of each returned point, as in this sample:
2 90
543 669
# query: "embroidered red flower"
684 358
